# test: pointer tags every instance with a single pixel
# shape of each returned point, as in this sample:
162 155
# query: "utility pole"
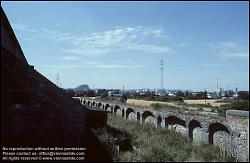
161 64
217 84
122 89
236 88
57 79
205 96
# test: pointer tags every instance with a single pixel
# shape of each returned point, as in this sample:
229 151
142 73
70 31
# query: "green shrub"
235 105
161 145
239 105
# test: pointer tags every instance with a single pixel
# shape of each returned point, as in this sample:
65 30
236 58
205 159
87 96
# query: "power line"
161 64
217 84
57 79
236 88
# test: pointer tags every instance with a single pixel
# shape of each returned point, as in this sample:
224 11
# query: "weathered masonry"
231 133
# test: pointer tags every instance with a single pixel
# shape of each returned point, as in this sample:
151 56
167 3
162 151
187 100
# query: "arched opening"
88 103
172 120
146 114
93 103
191 126
214 128
112 109
116 108
159 120
138 116
99 105
123 113
106 106
128 111
84 102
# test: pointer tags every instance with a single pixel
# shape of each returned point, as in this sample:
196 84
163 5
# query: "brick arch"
171 120
191 126
116 108
214 127
123 113
99 105
106 106
146 114
128 111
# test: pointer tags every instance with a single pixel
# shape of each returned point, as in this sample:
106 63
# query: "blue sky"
111 44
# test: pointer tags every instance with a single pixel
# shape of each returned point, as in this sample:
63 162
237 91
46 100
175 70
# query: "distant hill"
83 87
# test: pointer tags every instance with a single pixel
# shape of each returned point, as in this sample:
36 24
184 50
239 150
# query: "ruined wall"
239 123
235 143
8 39
198 136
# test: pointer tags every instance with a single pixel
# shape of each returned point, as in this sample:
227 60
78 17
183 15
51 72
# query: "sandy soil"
143 102
147 103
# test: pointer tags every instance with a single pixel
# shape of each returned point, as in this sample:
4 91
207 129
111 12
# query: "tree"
124 99
243 95
104 94
179 96
187 94
201 95
90 93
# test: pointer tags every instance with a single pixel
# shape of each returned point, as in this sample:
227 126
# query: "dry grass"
144 102
212 102
191 102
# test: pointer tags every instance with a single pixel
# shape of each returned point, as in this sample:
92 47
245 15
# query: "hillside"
34 111
83 87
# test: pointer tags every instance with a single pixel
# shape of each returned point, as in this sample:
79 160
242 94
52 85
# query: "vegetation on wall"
158 145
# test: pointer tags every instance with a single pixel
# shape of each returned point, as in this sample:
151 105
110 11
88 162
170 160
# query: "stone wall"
239 123
230 133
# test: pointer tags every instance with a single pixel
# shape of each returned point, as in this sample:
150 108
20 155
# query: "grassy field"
191 102
144 102
212 102
152 144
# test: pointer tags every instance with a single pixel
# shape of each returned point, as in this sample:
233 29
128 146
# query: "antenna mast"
217 84
161 64
57 79
236 88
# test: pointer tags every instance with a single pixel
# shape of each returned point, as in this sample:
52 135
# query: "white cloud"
236 55
150 48
118 66
231 49
101 43
95 65
119 39
22 27
70 58
56 35
213 64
